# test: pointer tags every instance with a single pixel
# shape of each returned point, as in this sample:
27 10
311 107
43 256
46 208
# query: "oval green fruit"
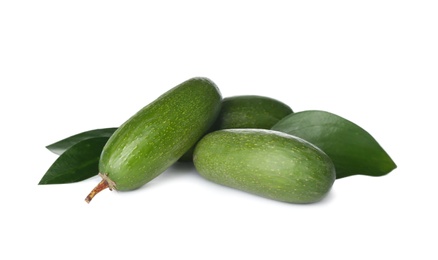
266 163
250 112
247 111
157 135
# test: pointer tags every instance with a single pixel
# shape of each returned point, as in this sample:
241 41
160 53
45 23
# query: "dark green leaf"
61 146
77 163
351 148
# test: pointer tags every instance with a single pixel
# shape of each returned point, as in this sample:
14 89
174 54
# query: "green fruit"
250 112
266 163
157 135
247 112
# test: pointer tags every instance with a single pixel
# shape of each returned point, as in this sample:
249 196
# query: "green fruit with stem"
157 135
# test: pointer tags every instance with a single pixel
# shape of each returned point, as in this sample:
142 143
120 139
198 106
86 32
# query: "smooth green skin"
250 112
351 148
246 112
160 133
266 163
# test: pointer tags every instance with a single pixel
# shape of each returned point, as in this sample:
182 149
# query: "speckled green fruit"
266 163
157 135
251 112
248 111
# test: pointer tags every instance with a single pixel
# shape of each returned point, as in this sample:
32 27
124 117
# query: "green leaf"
77 163
62 145
352 149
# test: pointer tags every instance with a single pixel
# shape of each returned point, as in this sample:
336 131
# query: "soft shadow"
187 170
176 171
183 167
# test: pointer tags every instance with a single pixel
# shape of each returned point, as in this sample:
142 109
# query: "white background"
71 66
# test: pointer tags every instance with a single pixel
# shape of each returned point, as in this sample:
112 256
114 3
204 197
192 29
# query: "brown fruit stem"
103 184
